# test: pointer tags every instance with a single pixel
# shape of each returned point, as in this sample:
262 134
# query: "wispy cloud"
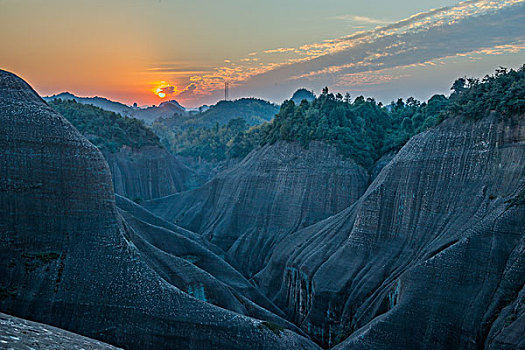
485 27
361 19
281 50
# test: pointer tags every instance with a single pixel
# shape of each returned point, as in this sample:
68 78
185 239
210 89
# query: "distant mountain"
148 115
302 94
254 111
101 102
164 110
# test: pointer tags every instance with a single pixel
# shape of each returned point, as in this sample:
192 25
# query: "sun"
160 92
163 89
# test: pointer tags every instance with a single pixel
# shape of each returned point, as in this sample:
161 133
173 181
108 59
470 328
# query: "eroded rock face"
431 256
20 334
195 266
148 173
68 257
275 190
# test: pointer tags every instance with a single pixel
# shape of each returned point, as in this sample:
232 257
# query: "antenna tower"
226 88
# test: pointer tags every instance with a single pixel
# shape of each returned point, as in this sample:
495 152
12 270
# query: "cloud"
179 70
483 27
361 19
280 50
469 27
188 92
168 90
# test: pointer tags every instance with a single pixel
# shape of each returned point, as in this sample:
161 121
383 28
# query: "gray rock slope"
194 265
275 190
432 256
69 259
149 172
20 334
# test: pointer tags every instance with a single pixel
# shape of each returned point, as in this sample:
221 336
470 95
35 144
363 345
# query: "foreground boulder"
431 256
274 191
20 334
67 255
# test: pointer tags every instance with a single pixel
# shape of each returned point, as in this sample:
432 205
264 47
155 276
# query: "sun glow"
163 89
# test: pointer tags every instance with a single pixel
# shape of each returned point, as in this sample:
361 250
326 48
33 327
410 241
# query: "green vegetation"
503 92
254 111
233 140
362 130
217 134
274 328
106 130
302 94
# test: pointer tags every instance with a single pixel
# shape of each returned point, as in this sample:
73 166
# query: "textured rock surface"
150 172
20 334
68 258
431 257
193 264
275 190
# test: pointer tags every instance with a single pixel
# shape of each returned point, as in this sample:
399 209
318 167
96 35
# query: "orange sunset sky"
127 50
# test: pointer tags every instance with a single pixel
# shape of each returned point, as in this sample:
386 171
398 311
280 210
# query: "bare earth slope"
275 190
68 257
431 256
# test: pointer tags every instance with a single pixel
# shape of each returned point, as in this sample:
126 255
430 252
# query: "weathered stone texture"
20 334
427 258
68 257
149 172
274 191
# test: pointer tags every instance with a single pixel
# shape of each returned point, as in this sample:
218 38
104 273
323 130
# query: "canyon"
292 247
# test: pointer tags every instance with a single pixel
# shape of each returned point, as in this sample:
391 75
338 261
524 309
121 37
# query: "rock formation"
194 265
149 172
69 259
431 256
274 191
20 334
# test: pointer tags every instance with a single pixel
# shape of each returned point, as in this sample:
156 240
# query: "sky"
148 51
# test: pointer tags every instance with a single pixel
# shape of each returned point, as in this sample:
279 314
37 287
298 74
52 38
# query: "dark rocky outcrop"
69 258
431 256
20 334
274 191
149 172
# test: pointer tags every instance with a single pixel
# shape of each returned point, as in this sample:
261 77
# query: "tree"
325 90
458 86
347 98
